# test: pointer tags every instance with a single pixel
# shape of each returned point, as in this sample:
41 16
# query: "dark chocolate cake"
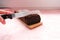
31 19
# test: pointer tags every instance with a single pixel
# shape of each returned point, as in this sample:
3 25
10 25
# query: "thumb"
2 20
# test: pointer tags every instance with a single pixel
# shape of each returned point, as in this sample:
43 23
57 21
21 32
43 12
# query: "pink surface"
53 11
15 30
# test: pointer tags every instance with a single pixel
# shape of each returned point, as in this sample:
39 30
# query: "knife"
14 15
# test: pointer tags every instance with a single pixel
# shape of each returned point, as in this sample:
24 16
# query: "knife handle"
5 16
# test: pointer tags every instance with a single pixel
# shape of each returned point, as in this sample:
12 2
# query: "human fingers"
2 20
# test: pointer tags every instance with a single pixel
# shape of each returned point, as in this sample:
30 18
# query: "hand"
4 11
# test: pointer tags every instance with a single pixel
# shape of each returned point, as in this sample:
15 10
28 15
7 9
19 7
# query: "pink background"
40 4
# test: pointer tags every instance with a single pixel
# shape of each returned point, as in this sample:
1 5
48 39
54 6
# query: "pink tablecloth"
15 30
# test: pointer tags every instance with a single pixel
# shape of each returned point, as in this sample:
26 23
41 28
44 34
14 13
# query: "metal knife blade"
21 14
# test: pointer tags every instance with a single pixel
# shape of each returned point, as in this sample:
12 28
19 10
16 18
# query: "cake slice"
31 21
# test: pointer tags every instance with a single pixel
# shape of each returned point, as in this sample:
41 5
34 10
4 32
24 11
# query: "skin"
5 11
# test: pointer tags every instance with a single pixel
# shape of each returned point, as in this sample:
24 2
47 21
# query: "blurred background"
15 30
33 4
